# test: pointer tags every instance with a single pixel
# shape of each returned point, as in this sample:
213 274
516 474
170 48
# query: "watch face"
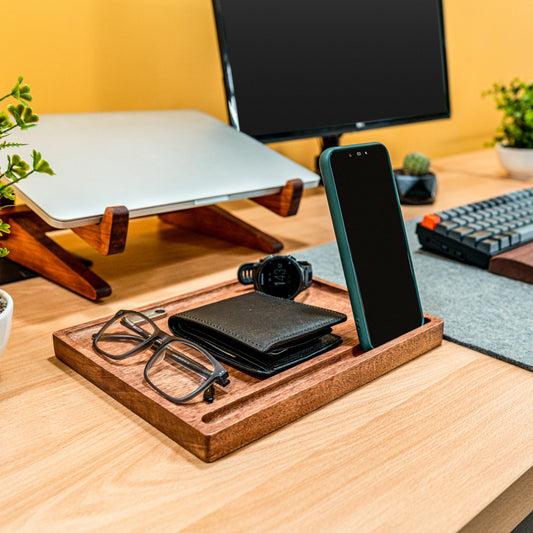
279 277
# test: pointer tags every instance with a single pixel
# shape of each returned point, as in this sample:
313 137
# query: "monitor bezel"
331 131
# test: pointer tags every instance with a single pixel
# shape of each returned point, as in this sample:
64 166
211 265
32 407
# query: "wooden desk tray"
247 408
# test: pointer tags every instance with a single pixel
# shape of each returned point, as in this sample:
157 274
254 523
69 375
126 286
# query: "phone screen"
374 229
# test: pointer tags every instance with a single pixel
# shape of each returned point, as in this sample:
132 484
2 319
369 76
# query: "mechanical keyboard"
473 233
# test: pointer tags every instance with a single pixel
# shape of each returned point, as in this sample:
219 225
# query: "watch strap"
245 274
307 274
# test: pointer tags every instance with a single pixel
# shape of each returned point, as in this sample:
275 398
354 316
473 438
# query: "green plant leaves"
7 192
29 116
4 228
17 166
516 103
40 165
6 144
5 122
21 93
23 115
19 115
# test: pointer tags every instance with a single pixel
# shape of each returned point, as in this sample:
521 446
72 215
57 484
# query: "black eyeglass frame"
157 341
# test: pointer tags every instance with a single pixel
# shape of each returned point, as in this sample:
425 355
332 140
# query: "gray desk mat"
483 311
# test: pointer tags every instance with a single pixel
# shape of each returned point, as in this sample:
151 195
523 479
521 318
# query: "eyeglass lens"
179 370
125 334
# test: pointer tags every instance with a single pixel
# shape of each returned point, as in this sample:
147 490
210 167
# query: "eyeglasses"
178 369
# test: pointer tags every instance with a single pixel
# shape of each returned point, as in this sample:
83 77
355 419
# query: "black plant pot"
416 190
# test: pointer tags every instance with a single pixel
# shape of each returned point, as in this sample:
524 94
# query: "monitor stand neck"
329 141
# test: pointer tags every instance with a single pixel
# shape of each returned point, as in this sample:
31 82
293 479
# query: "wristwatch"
277 275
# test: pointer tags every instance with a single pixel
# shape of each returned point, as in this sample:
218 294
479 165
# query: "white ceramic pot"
5 320
517 161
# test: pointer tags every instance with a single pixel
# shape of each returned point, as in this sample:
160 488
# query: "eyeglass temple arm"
189 363
117 337
130 324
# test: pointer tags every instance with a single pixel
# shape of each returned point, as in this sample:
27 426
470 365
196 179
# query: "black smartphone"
368 224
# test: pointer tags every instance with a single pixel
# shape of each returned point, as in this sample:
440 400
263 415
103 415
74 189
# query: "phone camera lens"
358 153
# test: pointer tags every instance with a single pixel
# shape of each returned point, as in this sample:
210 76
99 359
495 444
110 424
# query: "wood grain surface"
109 236
248 408
440 443
515 264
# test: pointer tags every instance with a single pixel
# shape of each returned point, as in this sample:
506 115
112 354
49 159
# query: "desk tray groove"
248 408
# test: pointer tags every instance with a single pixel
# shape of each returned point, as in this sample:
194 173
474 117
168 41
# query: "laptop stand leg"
29 246
215 221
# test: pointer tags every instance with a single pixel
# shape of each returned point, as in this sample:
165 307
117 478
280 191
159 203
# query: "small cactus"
416 164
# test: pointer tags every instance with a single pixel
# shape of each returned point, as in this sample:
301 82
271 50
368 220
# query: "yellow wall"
105 55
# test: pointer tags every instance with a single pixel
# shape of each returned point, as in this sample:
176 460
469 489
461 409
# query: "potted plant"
415 182
17 115
514 138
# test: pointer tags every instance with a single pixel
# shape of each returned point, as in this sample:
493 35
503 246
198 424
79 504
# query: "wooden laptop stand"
30 246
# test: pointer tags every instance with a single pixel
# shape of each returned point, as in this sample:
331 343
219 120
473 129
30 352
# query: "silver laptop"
149 161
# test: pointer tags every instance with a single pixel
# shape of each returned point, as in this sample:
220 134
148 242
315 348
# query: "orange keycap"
430 221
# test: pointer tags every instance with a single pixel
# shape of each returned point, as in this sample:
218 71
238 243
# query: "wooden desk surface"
441 443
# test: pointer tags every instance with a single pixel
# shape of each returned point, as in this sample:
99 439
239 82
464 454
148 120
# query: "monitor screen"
310 68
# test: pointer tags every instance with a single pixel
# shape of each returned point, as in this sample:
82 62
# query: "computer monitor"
320 68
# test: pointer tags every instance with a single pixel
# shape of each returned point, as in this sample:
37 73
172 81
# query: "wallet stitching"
261 347
247 339
330 311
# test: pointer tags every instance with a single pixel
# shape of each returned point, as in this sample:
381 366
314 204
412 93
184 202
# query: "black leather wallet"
258 333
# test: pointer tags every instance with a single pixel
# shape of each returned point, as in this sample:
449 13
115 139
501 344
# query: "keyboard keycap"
525 232
477 236
460 231
445 226
431 220
503 240
489 246
514 237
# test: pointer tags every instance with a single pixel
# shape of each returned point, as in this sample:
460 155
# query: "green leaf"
24 93
5 122
18 166
516 103
3 252
29 116
6 144
15 112
44 168
4 227
36 156
7 192
16 89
